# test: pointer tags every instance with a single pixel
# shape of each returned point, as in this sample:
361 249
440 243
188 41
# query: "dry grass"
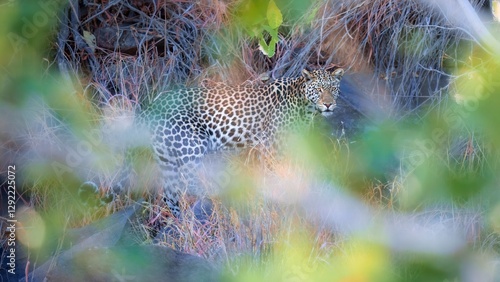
255 209
411 46
261 206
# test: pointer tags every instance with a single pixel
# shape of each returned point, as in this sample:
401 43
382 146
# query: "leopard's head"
322 88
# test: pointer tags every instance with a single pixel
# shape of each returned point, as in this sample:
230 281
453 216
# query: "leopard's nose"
328 105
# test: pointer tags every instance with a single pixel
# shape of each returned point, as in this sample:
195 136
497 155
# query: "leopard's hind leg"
179 146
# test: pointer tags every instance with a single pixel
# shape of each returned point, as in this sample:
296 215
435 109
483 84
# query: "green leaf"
267 49
272 31
274 16
89 39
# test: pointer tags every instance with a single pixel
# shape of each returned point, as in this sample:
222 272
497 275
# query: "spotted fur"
186 124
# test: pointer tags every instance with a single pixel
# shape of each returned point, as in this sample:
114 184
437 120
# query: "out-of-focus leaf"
274 16
257 17
89 39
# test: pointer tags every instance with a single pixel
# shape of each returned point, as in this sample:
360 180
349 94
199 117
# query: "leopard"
186 124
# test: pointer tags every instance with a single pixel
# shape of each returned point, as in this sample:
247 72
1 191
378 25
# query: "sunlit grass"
372 208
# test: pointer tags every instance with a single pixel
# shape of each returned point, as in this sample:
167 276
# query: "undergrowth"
407 199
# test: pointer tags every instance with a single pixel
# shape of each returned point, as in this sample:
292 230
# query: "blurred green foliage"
262 19
27 30
35 99
450 157
459 145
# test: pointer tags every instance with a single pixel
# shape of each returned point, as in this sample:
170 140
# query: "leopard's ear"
306 74
338 73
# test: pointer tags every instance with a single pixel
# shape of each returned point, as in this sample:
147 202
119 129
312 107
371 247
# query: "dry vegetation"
121 53
136 48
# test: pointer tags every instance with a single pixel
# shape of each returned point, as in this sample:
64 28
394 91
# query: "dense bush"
413 197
